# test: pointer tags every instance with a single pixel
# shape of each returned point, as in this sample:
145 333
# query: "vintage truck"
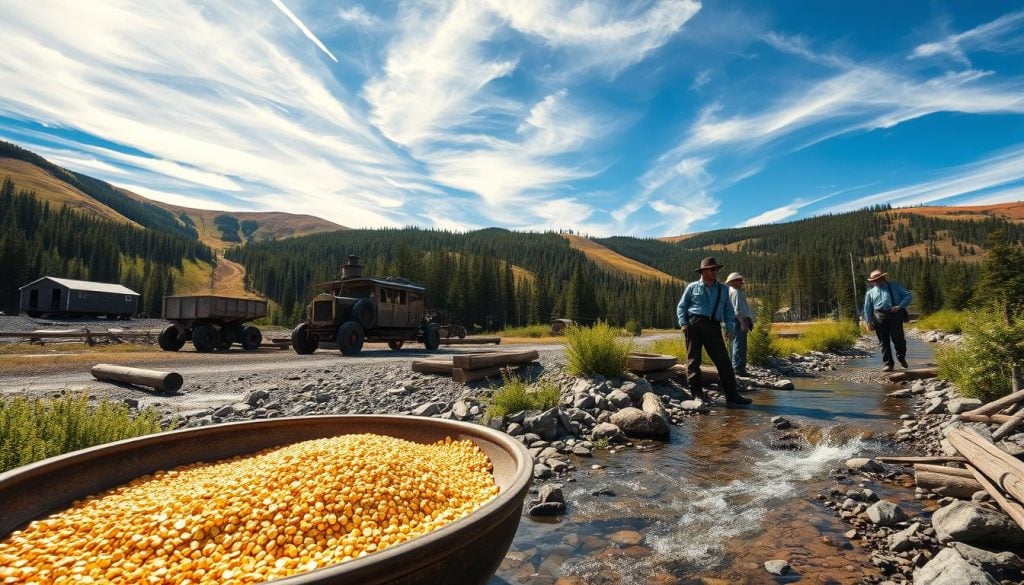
357 308
211 322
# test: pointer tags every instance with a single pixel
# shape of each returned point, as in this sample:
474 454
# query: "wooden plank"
997 405
470 341
991 419
1013 509
473 361
910 460
944 469
1005 470
916 374
462 375
432 366
165 381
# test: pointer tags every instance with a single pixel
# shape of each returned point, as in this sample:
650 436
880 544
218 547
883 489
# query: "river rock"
885 513
655 410
636 423
783 385
864 464
584 401
428 409
975 524
776 567
546 424
608 431
626 537
949 567
902 540
959 405
619 399
460 410
1004 566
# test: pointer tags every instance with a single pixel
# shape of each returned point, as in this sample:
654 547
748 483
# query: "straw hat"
877 275
708 263
734 276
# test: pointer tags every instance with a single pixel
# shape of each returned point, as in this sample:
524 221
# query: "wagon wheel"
462 332
432 337
205 338
251 338
302 343
350 338
169 339
396 344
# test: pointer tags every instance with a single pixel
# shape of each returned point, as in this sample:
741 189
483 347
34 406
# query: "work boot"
903 362
698 394
736 399
887 368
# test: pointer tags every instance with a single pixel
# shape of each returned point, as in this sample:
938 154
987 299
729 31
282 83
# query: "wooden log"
470 341
1005 470
474 361
915 374
164 381
463 376
943 469
649 362
1013 509
910 460
944 484
997 405
432 366
991 419
1009 426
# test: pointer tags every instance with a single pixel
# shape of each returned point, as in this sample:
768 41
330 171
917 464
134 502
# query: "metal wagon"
211 322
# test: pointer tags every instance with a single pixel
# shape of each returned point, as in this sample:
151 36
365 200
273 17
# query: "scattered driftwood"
997 405
470 340
1013 509
1009 426
476 366
915 374
985 418
946 481
937 459
163 381
1004 471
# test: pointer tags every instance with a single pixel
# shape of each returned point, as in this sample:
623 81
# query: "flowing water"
715 502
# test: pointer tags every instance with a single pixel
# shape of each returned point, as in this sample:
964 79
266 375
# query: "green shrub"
527 331
946 320
632 327
515 395
761 345
34 429
596 350
981 366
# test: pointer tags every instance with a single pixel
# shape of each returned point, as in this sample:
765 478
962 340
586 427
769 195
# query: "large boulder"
655 410
608 432
546 424
619 399
975 524
949 567
636 423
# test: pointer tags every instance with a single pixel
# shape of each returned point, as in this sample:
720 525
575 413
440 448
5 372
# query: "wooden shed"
558 326
64 297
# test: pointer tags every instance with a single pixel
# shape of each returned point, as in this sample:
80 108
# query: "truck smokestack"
352 268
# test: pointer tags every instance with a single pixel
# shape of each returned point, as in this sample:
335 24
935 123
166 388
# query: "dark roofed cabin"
63 297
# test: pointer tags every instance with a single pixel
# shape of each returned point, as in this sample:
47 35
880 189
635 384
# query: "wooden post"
432 366
959 484
164 381
985 418
997 405
1012 509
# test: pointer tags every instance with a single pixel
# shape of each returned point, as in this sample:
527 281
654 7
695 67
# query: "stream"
715 501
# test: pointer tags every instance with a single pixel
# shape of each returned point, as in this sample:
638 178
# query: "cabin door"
55 300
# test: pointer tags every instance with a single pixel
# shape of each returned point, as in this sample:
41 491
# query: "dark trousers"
707 334
889 329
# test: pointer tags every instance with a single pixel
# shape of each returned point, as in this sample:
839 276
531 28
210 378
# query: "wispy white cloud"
799 46
305 30
1001 34
1002 170
701 79
360 17
993 197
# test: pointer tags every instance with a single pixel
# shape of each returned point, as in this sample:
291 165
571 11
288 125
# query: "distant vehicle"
358 308
451 324
211 322
63 297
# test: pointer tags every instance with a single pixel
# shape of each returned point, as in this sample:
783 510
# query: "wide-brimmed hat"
707 263
734 276
877 275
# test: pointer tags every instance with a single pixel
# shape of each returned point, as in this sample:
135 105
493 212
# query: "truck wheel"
350 338
169 340
364 312
396 344
205 338
251 338
432 337
462 332
302 343
34 314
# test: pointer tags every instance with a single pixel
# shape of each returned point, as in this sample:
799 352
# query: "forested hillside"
36 240
469 273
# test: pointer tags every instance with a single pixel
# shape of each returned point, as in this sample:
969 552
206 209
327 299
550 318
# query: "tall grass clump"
596 350
516 395
830 335
32 429
981 365
526 331
946 320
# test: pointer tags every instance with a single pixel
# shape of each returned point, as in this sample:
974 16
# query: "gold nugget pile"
255 518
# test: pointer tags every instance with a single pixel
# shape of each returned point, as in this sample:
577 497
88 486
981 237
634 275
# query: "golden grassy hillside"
1013 211
614 262
272 224
49 188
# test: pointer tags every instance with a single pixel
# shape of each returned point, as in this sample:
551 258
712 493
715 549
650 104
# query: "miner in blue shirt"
885 310
702 310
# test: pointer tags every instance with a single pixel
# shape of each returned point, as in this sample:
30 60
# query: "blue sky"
608 117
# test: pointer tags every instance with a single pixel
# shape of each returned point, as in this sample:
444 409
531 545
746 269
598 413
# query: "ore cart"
211 322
